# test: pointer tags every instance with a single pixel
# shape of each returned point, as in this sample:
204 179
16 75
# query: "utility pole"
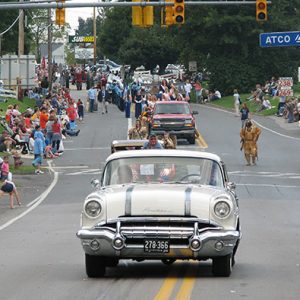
94 31
21 31
49 49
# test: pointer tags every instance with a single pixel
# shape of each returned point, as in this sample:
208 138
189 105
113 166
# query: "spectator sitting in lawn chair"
6 142
266 104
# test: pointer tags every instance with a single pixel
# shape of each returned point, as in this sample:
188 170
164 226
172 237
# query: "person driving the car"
125 174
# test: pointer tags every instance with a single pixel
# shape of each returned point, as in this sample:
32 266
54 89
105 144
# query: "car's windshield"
163 170
172 109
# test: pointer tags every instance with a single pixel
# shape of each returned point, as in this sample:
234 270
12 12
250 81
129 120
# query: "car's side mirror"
195 112
95 183
231 186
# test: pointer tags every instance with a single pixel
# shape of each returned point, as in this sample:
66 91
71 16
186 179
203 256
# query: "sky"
72 14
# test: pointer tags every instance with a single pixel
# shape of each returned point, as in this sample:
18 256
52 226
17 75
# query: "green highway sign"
81 39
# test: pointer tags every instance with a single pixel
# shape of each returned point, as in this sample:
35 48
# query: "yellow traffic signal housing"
169 14
60 15
137 15
142 16
178 11
261 10
148 16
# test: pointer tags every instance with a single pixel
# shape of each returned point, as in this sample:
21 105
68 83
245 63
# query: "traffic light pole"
21 32
59 5
49 49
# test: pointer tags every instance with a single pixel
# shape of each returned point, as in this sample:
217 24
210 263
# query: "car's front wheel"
222 266
94 266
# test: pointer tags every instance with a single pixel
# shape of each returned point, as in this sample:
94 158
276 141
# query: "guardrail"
8 93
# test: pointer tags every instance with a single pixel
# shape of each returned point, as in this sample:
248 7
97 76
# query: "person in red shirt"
56 138
28 124
71 112
198 89
43 118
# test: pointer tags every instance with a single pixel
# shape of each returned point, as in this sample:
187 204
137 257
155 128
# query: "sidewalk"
283 123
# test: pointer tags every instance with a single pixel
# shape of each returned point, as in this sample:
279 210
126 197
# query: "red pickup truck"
175 117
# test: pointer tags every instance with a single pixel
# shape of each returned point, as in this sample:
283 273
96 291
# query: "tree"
9 41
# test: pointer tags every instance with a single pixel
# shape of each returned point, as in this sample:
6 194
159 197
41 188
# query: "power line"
15 21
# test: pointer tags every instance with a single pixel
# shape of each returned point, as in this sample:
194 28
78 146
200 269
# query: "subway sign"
81 39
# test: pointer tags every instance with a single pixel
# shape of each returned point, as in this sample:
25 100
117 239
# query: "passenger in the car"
125 174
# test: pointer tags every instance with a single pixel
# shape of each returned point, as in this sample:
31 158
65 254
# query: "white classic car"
164 205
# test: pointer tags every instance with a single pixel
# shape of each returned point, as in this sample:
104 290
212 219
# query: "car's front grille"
136 230
172 123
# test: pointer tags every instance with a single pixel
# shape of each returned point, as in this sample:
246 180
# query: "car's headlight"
188 122
222 209
156 123
93 208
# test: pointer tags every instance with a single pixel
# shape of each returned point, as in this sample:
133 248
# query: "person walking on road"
92 93
244 113
39 146
103 97
236 98
249 136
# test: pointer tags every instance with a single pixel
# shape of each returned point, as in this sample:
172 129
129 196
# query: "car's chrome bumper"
128 243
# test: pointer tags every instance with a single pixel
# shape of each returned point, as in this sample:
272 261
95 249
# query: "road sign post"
279 39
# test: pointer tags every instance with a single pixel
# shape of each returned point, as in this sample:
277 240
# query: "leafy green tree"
9 40
114 30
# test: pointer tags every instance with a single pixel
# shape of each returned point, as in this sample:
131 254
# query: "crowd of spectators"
39 131
288 107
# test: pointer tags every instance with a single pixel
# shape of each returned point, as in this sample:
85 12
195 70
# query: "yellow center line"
168 286
187 285
200 140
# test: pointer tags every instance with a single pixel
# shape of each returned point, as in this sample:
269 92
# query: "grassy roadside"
227 102
25 169
22 104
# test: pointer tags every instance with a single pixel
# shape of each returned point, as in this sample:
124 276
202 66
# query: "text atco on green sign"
81 39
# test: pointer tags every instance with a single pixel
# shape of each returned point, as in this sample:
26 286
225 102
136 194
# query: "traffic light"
261 10
142 16
178 11
147 16
169 13
137 15
60 15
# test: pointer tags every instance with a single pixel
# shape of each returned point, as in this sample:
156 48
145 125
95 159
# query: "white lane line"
260 125
86 172
94 148
275 132
70 167
35 202
129 120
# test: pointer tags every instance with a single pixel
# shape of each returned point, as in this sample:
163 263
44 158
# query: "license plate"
157 246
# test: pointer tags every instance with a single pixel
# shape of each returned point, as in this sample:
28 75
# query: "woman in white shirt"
236 101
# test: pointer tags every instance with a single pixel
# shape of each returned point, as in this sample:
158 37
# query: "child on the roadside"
39 146
8 187
80 109
5 168
48 152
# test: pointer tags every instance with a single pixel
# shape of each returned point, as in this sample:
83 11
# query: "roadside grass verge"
22 104
22 170
227 102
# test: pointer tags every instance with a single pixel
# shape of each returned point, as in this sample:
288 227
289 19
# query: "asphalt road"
41 258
